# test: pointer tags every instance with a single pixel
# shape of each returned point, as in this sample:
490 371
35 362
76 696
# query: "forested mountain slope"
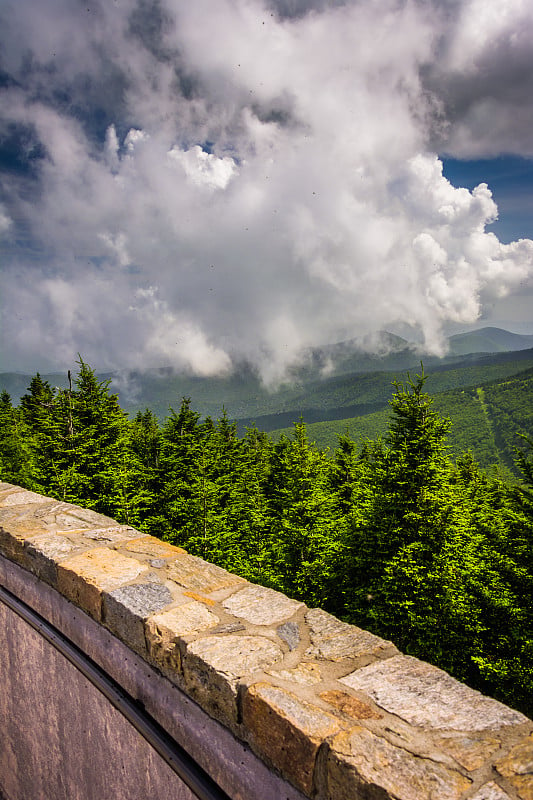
489 418
357 383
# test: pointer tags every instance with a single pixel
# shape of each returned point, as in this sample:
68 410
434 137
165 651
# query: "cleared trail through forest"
486 413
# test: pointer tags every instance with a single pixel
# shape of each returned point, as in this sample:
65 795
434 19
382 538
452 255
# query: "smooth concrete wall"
270 699
62 737
62 740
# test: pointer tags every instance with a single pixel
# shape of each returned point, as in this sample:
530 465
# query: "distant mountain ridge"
488 340
330 380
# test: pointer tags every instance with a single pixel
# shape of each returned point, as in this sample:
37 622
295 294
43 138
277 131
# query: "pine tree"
81 442
248 534
304 517
16 446
37 403
141 465
403 510
177 475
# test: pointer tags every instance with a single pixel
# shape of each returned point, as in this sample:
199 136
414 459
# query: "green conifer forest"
392 534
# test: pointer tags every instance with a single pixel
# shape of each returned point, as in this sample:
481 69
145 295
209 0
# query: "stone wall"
282 701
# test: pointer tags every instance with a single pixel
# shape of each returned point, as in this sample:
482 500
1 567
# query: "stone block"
115 535
333 640
344 702
469 751
20 497
361 764
43 553
261 606
198 575
163 632
289 632
517 767
17 525
153 548
212 667
52 516
125 610
303 674
12 544
426 696
83 578
490 791
286 731
64 517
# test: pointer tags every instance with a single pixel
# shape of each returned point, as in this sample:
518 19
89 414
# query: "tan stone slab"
361 764
212 667
52 516
261 606
164 630
12 544
303 674
83 578
199 576
286 731
490 791
523 785
20 497
333 640
155 548
427 696
44 552
469 751
517 767
67 517
349 705
21 523
114 535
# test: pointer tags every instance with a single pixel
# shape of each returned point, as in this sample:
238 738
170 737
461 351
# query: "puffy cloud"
204 169
206 182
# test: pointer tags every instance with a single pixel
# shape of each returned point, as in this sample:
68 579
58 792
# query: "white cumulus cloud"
206 182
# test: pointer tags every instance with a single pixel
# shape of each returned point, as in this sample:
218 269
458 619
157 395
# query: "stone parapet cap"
336 710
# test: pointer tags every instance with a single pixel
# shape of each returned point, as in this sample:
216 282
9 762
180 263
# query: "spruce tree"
304 517
16 446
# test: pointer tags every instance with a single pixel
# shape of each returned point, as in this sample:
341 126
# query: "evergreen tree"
177 474
247 521
16 446
403 510
81 443
304 518
37 403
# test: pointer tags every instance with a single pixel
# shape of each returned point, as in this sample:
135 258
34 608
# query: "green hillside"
488 397
355 395
359 384
489 419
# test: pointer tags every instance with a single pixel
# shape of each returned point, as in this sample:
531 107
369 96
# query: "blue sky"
510 179
194 184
